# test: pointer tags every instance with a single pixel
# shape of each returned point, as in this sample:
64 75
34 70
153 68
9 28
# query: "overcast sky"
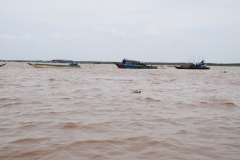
110 30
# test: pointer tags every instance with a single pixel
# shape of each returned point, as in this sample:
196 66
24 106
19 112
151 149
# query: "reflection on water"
92 113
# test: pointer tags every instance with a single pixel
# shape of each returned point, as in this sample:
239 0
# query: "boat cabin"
132 62
200 64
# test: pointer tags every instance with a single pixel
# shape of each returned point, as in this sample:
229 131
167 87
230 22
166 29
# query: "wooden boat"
132 64
55 63
200 65
2 64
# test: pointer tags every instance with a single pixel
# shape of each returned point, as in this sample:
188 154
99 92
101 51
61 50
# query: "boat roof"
62 61
132 61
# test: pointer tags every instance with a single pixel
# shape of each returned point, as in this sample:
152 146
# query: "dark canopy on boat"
62 61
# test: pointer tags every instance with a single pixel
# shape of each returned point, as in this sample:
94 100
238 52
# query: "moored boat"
2 64
132 64
200 65
55 63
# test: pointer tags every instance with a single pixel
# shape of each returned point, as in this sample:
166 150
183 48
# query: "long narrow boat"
201 65
132 64
2 64
55 63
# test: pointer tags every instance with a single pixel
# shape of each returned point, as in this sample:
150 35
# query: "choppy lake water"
91 113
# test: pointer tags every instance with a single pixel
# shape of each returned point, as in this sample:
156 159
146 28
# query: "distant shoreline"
150 63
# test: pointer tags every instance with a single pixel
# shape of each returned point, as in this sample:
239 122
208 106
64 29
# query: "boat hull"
53 66
192 66
200 68
2 64
119 65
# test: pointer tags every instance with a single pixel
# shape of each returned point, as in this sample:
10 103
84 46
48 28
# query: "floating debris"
136 91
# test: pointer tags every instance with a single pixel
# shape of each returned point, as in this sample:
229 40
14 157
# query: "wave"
230 104
68 125
30 140
11 104
152 99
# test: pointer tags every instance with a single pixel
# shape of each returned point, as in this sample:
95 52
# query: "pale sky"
110 30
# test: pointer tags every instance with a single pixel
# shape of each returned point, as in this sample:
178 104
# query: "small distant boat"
55 63
2 64
200 65
132 64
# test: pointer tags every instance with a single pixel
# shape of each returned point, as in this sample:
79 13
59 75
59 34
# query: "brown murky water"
90 113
